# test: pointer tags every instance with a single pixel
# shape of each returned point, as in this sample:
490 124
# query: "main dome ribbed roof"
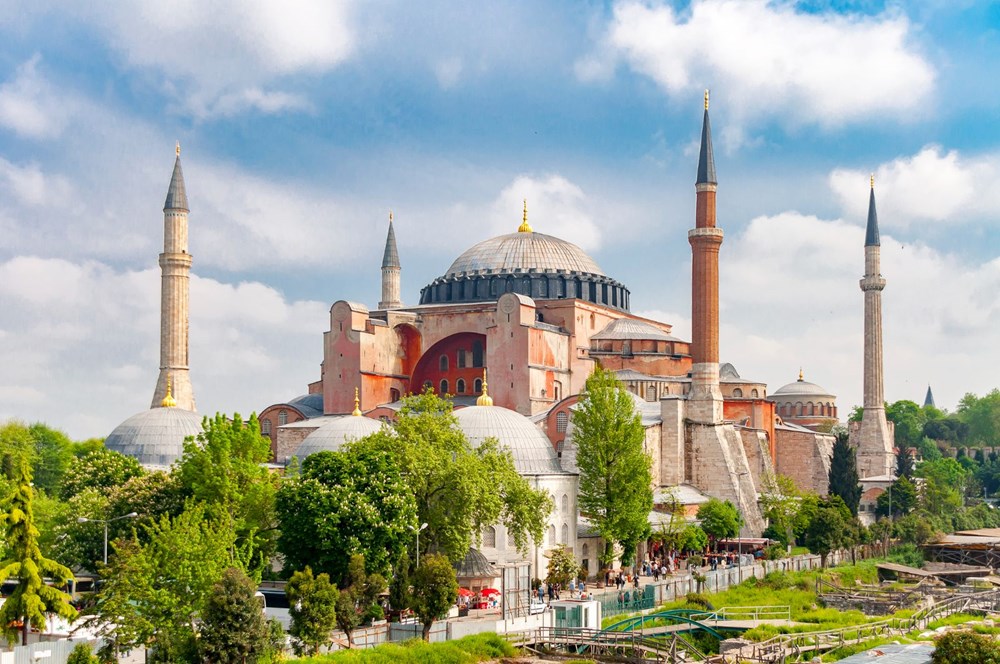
520 252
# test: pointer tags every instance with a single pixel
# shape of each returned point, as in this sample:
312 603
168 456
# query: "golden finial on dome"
525 227
706 99
390 216
178 148
800 374
484 399
873 180
357 404
168 401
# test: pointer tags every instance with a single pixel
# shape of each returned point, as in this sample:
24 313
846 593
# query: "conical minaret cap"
391 256
871 232
706 160
176 194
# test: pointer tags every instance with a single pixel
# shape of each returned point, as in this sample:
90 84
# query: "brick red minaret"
705 397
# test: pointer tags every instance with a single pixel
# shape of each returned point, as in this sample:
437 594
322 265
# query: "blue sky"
303 123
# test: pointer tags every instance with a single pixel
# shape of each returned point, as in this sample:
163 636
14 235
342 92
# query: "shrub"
81 654
698 599
774 551
965 648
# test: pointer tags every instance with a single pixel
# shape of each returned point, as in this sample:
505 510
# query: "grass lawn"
467 650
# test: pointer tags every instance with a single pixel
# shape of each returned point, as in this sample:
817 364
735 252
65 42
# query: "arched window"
737 392
812 408
562 417
585 552
490 538
443 386
460 386
477 386
754 393
557 390
564 534
651 393
565 503
443 363
265 426
510 540
798 409
282 417
552 534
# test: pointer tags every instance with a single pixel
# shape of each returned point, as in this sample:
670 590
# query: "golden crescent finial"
484 399
178 148
873 180
390 216
525 227
357 404
800 373
706 99
168 399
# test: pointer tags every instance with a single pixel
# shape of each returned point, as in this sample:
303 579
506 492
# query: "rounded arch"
438 362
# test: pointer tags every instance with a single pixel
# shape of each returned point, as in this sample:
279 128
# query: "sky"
302 124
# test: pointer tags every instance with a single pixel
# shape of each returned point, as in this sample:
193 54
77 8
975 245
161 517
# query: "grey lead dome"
520 252
155 437
533 453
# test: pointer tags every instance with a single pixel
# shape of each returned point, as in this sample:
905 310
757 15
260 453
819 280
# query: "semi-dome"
533 453
155 437
533 264
334 434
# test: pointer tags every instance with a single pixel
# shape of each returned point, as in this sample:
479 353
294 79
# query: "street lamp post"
83 519
417 531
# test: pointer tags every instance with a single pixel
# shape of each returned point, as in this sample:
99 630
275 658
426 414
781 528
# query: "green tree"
313 602
904 462
233 628
901 495
780 501
693 539
827 531
358 597
458 490
615 479
844 473
81 654
908 419
31 598
399 584
562 567
223 468
354 501
53 457
720 520
434 590
101 469
122 613
982 417
965 648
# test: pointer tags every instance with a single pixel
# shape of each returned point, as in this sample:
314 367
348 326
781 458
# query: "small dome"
520 252
632 329
331 436
475 566
800 388
533 453
155 437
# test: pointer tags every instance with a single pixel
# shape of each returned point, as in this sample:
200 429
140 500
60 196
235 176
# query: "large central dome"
527 263
523 252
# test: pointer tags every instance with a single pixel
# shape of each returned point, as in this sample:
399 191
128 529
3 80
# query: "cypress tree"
844 473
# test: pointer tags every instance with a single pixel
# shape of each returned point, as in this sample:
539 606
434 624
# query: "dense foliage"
615 478
233 629
844 472
434 590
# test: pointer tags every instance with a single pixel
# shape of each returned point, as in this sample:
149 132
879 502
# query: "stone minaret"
874 436
175 270
705 400
390 272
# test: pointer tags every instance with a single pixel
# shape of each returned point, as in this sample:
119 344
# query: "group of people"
660 566
577 590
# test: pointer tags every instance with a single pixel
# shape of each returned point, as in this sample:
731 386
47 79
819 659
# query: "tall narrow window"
282 417
564 535
561 420
444 387
265 426
460 386
443 363
461 359
490 538
477 386
565 503
477 353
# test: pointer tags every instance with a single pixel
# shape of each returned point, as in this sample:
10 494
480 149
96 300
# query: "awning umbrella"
486 592
465 592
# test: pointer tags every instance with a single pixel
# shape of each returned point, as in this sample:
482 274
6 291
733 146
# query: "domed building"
335 432
155 437
806 404
535 460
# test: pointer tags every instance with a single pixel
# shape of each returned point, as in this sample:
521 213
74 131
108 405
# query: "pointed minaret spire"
706 160
390 271
929 399
174 381
873 438
176 194
871 232
705 239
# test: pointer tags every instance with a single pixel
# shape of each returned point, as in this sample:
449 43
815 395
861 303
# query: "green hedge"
467 650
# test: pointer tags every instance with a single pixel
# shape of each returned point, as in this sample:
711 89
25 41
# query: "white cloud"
80 343
30 186
765 59
29 106
448 71
930 186
556 207
234 103
790 298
